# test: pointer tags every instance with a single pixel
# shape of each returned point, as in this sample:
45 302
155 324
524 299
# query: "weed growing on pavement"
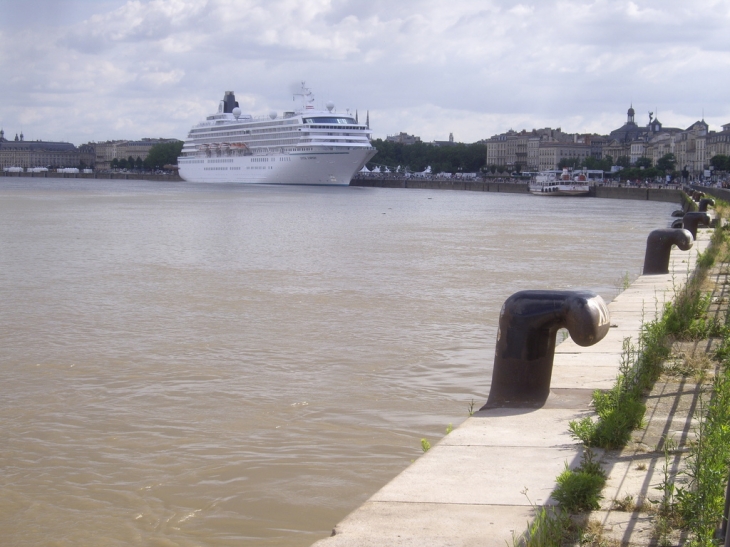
550 527
579 489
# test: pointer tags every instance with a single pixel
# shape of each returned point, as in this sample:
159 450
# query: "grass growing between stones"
620 410
701 504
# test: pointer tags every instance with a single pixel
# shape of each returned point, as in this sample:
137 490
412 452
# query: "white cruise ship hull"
315 168
304 146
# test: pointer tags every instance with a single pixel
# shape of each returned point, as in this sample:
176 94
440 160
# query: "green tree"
467 158
644 162
594 163
720 162
115 163
138 163
666 163
624 161
123 164
164 153
568 162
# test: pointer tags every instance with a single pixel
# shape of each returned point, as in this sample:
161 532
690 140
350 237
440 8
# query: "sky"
96 70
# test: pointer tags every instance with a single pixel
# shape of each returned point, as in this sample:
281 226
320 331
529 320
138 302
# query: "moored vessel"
303 146
556 183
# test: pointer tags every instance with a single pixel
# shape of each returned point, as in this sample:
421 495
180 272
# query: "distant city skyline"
95 70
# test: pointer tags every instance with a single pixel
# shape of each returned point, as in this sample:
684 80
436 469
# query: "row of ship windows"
208 133
236 168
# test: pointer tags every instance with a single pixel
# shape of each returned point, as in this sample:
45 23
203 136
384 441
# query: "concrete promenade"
478 486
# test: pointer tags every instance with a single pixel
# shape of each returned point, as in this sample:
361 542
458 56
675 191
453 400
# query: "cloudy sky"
92 70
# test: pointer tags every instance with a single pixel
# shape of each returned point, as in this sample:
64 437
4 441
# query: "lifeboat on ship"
240 148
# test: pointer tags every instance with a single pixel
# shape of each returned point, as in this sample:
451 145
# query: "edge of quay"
480 485
606 191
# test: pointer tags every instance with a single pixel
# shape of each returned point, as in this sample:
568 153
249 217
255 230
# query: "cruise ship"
303 146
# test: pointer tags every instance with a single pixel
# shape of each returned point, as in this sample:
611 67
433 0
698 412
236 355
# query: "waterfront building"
520 150
27 154
108 151
403 138
543 149
718 143
551 153
450 142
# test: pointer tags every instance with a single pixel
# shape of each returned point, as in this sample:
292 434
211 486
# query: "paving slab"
481 475
590 377
377 524
497 427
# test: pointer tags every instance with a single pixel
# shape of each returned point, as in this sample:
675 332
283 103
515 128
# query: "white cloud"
151 68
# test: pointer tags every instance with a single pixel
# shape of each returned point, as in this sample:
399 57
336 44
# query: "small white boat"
564 184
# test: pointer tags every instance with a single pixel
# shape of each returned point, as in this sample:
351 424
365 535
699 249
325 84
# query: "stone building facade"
403 138
27 154
543 149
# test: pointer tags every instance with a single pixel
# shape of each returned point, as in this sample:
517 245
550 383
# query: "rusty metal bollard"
690 221
528 324
658 246
704 202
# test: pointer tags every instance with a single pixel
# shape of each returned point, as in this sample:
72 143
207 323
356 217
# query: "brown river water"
200 365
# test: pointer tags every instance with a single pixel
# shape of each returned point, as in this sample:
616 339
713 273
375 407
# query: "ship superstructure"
303 146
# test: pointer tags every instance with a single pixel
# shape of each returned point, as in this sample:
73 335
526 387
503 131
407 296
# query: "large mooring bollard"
528 324
704 202
658 246
691 221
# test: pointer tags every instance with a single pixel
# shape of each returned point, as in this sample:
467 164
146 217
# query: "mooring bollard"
704 202
658 246
690 221
528 324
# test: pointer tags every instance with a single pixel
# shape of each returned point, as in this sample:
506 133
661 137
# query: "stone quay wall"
670 195
104 176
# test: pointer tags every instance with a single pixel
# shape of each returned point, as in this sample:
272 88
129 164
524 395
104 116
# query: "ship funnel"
229 102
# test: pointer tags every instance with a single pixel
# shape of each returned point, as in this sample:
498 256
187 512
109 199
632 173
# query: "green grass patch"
579 489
